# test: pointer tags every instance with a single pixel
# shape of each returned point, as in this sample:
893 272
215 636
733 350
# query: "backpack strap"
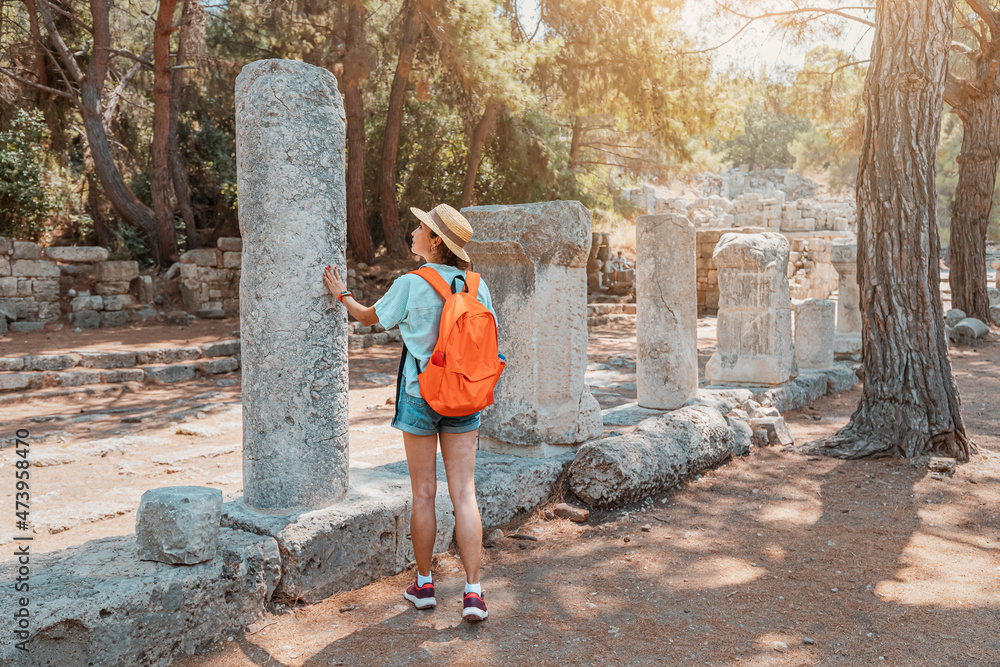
441 287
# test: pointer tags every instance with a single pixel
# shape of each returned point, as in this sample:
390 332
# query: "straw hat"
450 225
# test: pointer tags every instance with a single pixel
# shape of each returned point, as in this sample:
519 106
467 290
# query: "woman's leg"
459 453
421 459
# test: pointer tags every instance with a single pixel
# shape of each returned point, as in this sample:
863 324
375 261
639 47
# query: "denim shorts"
413 415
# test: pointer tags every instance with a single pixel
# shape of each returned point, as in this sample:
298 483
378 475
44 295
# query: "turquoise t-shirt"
413 304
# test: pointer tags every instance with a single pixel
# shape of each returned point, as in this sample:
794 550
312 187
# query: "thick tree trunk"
160 168
41 71
910 402
117 191
104 237
359 237
178 170
970 218
476 144
393 124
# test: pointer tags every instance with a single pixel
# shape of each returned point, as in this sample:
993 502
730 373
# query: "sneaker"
422 597
475 608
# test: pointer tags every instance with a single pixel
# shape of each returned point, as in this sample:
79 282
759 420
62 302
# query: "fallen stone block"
49 459
141 288
211 313
567 511
994 296
743 434
167 355
77 254
102 606
659 453
50 362
224 348
995 315
776 430
106 359
177 318
178 525
968 330
765 411
942 464
170 373
954 316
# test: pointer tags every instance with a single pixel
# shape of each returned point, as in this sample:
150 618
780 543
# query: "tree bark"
41 72
979 110
178 170
393 124
575 141
483 128
910 403
160 168
359 237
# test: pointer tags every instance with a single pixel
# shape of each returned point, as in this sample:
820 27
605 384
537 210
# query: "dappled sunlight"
715 572
930 578
793 512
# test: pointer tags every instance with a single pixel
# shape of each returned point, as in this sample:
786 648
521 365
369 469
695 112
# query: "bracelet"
340 297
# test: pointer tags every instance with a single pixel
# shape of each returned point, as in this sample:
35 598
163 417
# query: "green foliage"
24 198
766 137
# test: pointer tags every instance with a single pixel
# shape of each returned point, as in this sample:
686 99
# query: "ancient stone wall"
38 286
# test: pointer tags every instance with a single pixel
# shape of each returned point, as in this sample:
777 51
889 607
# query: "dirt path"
869 560
773 559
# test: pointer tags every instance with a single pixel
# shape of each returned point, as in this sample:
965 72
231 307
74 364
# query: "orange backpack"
466 363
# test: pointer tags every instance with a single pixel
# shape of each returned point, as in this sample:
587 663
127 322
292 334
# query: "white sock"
474 588
421 579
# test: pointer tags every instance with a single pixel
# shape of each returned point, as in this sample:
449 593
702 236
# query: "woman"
416 307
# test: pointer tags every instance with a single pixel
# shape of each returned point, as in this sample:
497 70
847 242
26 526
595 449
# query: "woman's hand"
333 282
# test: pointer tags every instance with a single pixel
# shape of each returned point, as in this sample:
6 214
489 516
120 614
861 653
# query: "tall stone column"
533 258
844 257
755 320
291 186
666 323
814 327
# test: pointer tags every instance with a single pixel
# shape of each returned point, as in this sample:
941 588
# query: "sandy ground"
772 559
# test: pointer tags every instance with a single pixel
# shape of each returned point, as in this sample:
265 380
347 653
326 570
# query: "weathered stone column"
666 323
533 258
291 187
814 326
755 324
844 257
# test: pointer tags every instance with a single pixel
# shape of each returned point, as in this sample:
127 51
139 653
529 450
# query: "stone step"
120 359
595 309
27 381
617 318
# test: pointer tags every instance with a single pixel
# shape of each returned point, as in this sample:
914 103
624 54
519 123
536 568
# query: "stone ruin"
306 526
774 201
37 287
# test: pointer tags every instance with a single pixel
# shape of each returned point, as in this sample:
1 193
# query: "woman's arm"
363 314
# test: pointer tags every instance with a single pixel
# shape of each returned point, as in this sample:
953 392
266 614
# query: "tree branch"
112 105
790 12
988 14
37 86
69 61
70 15
145 62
